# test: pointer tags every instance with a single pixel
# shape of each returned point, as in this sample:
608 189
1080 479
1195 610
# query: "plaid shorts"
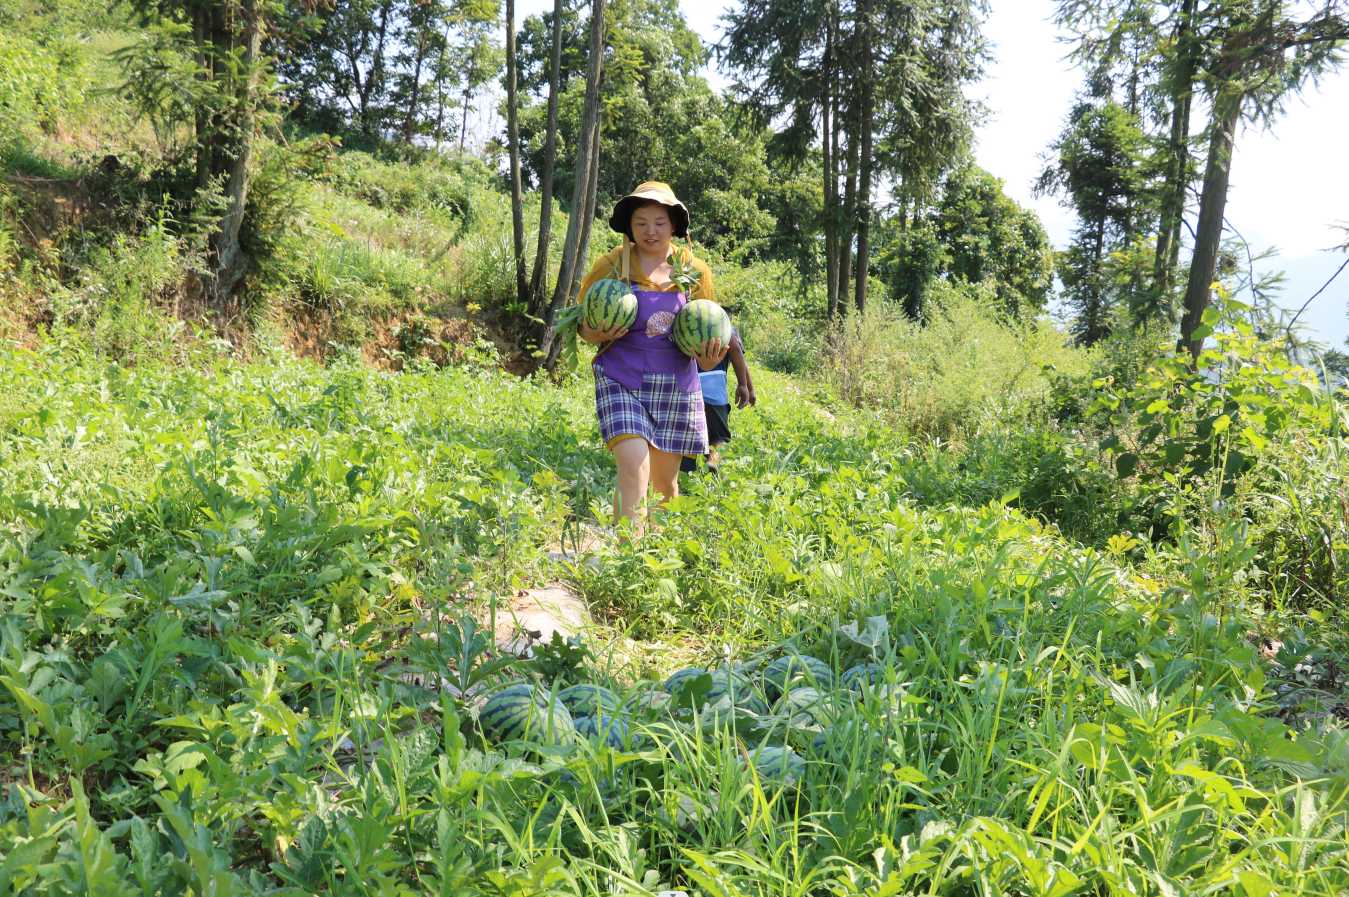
668 418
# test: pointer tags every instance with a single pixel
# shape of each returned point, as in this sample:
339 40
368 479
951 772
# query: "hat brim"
621 219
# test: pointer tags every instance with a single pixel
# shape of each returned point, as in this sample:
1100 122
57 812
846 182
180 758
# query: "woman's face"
652 228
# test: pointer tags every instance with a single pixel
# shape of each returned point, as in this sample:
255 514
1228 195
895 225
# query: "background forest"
287 420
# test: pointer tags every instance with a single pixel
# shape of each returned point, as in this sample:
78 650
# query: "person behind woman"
647 394
717 403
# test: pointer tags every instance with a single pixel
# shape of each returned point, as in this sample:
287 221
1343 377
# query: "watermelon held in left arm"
699 322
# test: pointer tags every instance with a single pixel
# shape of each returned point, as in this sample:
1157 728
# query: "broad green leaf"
1126 464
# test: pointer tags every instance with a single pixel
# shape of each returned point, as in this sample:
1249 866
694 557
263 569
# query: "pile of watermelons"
783 710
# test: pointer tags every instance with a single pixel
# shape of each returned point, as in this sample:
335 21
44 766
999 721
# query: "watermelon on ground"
777 764
734 688
614 729
780 675
863 674
841 739
678 677
805 706
609 303
522 712
647 702
800 697
699 321
584 698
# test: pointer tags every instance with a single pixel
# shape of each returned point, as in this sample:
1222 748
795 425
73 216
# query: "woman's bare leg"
665 473
633 457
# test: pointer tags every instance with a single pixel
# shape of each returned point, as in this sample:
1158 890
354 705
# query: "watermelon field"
1027 575
244 651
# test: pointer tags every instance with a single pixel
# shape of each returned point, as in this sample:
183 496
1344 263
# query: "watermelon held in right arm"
609 304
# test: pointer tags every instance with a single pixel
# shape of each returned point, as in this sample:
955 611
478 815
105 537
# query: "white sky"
1289 184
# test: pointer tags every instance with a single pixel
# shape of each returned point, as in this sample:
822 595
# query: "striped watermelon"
863 674
777 764
788 669
613 728
698 322
735 689
584 699
648 702
845 737
608 304
806 706
678 677
523 712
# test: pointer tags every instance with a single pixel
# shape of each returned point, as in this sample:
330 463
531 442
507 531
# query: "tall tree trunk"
589 145
537 280
414 98
583 245
1167 254
201 34
867 124
513 137
1212 206
440 88
592 197
368 90
849 218
829 144
229 260
463 120
1092 315
863 264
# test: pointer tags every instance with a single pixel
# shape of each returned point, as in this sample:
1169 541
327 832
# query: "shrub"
432 182
964 370
120 296
1039 469
1183 421
39 82
1244 435
780 322
1297 509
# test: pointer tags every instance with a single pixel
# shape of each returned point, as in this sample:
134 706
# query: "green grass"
215 576
228 587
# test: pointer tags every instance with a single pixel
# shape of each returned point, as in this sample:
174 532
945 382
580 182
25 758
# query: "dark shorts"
668 418
718 423
718 432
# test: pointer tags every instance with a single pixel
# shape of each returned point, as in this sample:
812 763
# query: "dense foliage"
252 551
229 592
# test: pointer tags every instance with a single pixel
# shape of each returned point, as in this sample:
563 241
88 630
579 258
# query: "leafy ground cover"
228 593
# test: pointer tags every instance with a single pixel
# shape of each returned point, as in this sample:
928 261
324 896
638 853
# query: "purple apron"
647 347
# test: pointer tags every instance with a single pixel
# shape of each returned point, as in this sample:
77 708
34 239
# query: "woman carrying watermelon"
647 394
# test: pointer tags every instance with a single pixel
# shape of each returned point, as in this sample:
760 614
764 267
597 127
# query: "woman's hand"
599 337
714 350
744 395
